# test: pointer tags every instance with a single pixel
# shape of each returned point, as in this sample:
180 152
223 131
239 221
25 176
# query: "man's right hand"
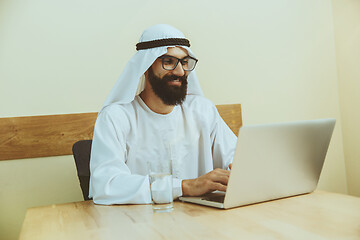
217 179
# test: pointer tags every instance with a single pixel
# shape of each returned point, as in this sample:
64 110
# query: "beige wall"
276 58
34 182
347 38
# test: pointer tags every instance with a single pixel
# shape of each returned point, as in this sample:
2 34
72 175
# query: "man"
169 119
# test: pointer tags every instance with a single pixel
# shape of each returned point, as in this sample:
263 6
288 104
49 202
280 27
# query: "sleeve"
223 143
177 187
111 181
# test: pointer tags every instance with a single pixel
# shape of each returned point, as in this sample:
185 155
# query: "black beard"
169 94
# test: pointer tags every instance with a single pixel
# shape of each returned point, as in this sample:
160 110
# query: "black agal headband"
162 42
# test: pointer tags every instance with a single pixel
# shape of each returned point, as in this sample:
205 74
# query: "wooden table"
320 215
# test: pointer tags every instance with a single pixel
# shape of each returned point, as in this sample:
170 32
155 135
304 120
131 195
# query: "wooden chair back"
55 135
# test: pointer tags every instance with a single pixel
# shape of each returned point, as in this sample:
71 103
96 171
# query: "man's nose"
179 71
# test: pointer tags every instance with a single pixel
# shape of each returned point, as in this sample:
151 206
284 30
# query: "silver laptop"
273 161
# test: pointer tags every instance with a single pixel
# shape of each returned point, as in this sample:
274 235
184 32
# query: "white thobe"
127 136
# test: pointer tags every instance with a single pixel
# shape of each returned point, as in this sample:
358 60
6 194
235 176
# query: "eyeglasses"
170 62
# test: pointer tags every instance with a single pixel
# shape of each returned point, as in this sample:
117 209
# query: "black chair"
81 151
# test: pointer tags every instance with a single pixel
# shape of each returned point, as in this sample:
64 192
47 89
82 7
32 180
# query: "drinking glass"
160 177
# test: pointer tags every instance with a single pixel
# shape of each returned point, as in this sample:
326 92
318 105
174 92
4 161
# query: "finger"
230 166
218 177
221 171
222 179
219 187
217 174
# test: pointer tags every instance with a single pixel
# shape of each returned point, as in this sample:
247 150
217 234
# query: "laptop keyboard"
214 198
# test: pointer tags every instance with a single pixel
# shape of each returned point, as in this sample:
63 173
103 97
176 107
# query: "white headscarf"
131 82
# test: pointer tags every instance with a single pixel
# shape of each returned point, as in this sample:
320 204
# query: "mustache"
174 77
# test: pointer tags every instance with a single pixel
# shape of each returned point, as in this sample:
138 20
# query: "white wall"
34 182
276 58
347 36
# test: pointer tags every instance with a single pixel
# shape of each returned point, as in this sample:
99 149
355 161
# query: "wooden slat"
54 135
43 136
231 113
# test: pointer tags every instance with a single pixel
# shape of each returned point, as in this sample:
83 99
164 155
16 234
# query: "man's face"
169 85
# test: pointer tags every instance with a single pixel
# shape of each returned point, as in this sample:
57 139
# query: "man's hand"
217 179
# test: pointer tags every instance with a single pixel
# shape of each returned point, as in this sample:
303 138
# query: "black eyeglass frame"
178 60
